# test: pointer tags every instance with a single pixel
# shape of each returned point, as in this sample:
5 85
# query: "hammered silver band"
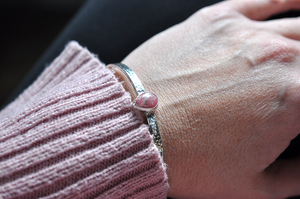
153 127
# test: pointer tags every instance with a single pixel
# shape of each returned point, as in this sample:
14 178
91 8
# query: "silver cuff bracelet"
145 101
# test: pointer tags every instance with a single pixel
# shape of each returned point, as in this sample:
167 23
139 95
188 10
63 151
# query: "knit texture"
74 134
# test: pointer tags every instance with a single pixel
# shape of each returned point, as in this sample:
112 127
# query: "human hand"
229 92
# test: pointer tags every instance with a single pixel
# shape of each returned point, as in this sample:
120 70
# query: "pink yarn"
74 134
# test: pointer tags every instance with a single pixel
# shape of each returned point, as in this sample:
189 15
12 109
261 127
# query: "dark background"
27 30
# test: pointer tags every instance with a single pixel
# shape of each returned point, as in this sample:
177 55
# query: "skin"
229 91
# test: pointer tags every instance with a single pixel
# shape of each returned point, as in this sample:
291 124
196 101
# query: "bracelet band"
145 101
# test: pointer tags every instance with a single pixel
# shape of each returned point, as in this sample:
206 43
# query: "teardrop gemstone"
146 101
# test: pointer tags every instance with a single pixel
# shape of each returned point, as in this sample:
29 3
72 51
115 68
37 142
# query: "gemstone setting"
145 101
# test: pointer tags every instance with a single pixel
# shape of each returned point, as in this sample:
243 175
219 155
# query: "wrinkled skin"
229 91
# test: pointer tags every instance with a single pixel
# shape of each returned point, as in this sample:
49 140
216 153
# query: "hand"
229 92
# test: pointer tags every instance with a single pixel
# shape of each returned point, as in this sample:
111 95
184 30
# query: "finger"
262 9
284 178
286 27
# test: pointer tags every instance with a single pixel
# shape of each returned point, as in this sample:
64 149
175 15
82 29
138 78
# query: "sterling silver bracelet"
145 101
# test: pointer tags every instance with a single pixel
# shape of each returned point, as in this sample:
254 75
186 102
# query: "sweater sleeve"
73 134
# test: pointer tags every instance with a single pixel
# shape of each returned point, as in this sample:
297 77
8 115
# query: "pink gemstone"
146 101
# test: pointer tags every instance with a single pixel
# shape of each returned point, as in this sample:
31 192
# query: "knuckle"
277 50
217 13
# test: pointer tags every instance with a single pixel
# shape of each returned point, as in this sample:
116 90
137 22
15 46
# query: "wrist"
163 114
145 102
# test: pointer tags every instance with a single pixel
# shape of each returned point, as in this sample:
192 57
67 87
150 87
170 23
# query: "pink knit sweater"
73 134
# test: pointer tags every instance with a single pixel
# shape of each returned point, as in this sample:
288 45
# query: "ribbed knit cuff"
73 134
